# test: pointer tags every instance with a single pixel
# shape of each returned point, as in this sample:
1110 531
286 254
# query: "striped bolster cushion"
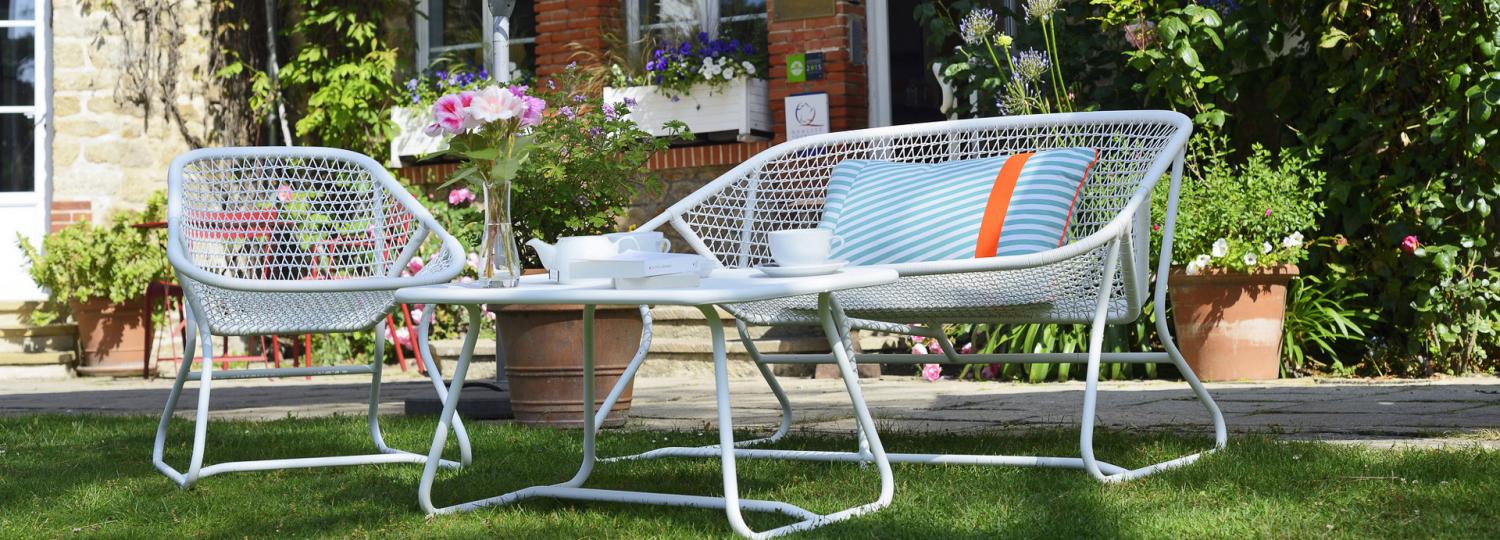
890 212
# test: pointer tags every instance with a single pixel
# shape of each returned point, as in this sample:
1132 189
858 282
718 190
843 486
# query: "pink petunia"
918 348
402 336
460 196
415 265
449 112
932 372
1410 244
284 193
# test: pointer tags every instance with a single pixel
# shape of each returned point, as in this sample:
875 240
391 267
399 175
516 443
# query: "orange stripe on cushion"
994 212
1073 206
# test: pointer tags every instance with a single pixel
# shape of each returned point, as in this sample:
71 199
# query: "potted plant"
584 162
1238 237
711 85
99 274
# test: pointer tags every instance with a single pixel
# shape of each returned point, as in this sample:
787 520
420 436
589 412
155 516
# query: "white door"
24 139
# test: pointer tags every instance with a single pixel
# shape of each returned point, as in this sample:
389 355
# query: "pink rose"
1410 244
932 372
284 193
450 112
460 196
968 348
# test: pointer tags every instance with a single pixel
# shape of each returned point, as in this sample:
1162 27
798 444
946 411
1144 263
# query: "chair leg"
377 361
200 425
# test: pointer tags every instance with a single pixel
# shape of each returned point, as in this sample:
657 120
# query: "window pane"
17 66
455 34
523 20
16 153
730 8
668 20
744 20
17 10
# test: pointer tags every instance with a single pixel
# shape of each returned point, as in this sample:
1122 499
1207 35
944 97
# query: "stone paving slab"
1378 413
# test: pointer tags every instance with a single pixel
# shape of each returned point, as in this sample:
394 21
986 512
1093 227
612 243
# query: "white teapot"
559 257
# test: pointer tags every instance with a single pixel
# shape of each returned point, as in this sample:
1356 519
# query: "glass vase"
499 260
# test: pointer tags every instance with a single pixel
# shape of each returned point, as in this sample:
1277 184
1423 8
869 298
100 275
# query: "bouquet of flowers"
488 129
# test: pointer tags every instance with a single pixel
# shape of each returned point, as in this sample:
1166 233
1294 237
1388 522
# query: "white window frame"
497 56
40 110
708 20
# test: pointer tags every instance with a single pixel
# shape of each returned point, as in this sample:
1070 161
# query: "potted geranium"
711 85
583 164
1238 239
99 274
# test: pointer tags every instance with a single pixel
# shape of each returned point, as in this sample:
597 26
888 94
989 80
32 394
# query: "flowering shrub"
1242 217
675 68
993 73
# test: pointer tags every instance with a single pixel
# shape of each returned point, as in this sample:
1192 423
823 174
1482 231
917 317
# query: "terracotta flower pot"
111 337
1229 324
543 348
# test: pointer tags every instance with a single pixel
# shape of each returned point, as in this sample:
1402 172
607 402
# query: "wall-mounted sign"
791 10
806 114
814 66
796 67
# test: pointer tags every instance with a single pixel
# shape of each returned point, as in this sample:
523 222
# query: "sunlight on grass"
92 475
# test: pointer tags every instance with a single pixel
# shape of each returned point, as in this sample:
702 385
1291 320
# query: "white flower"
1194 267
749 67
1203 261
1288 242
1265 247
728 75
1221 248
1297 237
1250 259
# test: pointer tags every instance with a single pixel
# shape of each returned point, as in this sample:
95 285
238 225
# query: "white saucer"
776 270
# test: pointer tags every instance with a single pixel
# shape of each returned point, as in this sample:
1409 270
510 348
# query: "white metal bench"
1101 277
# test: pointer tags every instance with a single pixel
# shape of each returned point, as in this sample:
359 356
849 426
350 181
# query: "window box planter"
739 110
409 140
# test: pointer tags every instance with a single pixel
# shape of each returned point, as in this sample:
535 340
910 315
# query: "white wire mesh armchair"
290 240
1099 278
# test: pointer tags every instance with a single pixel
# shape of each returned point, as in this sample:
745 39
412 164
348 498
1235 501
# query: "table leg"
450 405
726 425
589 431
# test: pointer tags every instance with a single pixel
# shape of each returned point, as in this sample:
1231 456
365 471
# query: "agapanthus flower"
1041 9
1031 65
977 26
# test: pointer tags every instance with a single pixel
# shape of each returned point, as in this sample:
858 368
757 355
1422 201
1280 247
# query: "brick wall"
843 80
66 213
562 23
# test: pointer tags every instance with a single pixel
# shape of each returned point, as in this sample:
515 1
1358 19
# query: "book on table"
636 264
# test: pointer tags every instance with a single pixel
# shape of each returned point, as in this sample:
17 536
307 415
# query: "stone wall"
109 152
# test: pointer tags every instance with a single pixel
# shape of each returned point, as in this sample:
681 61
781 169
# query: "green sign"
796 67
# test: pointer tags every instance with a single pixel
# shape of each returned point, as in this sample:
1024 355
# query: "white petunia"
1194 268
1250 259
1265 247
1203 261
749 67
1288 242
1297 237
728 75
1221 248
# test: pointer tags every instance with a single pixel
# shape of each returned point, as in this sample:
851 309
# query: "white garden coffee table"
724 286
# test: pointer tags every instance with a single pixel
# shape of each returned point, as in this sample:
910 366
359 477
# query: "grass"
64 476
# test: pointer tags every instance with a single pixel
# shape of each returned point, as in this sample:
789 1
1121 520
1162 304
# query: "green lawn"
66 475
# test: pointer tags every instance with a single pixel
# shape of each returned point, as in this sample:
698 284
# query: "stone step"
46 372
53 337
35 359
448 349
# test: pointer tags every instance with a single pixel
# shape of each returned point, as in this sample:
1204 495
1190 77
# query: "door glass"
16 153
17 65
17 10
668 21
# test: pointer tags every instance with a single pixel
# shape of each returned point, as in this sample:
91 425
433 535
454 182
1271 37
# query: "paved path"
1381 413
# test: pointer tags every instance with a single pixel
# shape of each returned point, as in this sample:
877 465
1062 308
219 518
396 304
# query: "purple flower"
609 112
572 66
596 131
551 84
629 101
567 112
977 26
533 114
578 98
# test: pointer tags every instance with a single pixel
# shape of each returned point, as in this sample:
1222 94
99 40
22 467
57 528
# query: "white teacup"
649 241
802 247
